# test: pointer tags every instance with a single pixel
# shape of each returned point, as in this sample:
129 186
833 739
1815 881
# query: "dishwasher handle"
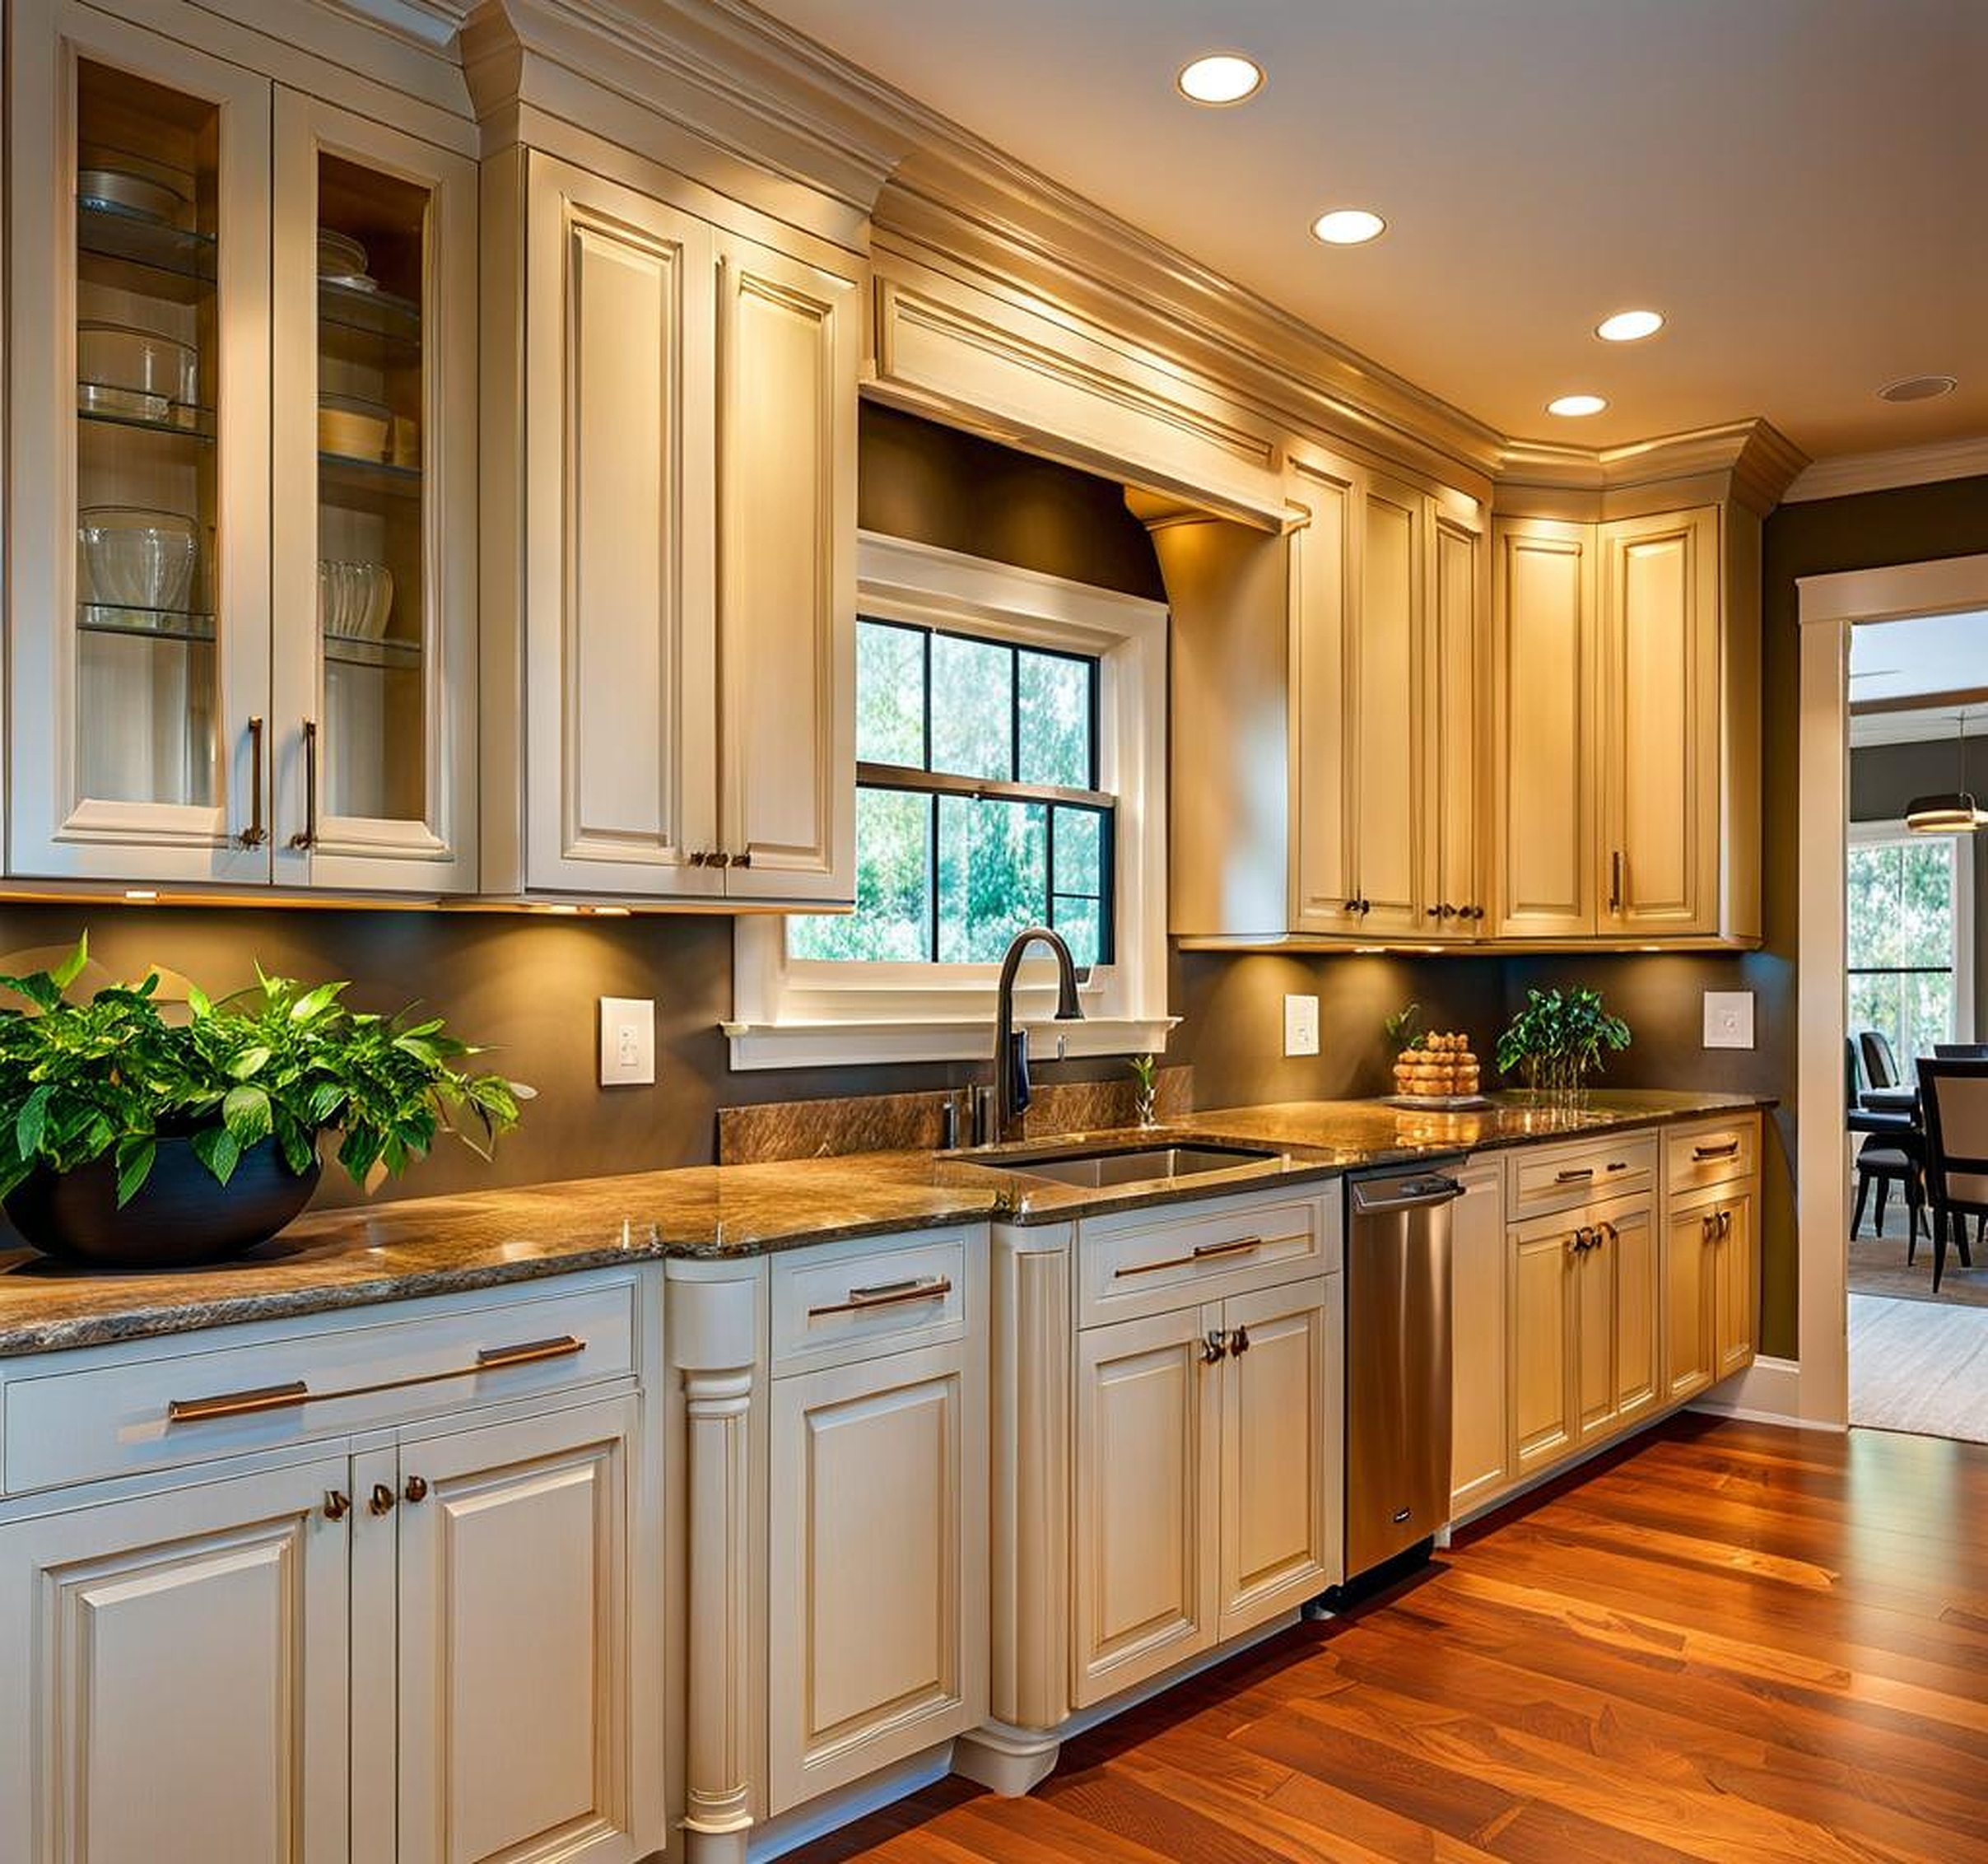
1411 1194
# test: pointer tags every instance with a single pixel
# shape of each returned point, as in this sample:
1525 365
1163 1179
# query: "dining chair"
1880 1063
1961 1052
1893 1152
1955 1096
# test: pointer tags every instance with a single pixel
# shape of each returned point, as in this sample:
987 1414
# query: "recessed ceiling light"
1629 326
1918 387
1222 77
1348 226
1573 407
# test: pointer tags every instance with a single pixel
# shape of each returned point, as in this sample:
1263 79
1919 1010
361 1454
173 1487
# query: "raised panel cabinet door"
1659 742
1387 777
138 434
1594 1323
1690 1271
1480 1443
618 669
374 498
1453 735
1283 1382
788 346
1638 1311
1541 1265
1737 1306
1542 698
877 1639
1144 1594
1324 558
181 1691
524 1732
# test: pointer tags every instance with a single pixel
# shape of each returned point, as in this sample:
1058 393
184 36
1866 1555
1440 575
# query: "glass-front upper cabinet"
242 518
375 511
139 647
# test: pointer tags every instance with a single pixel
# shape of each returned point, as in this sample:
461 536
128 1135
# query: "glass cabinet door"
374 505
139 650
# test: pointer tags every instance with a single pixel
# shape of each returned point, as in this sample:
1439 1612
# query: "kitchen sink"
1156 1165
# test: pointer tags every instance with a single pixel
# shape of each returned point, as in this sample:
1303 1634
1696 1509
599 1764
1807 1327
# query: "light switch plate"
628 1041
1301 1025
1729 1019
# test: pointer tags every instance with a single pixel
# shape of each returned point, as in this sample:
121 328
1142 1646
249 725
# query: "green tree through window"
1902 922
977 807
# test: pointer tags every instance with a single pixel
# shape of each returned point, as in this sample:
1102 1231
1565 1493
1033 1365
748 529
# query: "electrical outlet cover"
628 1041
1301 1025
1729 1019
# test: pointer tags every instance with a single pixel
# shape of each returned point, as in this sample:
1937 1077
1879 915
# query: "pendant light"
1953 811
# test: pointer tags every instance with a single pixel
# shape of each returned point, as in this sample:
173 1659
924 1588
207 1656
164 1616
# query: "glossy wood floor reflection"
1726 1643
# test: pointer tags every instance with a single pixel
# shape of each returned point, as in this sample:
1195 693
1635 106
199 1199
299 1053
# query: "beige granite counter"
431 1245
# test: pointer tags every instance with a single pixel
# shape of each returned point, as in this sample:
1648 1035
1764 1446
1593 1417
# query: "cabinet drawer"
1713 1154
851 1300
323 1379
1151 1261
1548 1178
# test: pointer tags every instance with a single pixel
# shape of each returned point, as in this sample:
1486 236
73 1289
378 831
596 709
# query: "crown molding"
1850 472
1753 459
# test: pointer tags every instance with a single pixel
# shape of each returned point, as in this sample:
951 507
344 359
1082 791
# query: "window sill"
856 1045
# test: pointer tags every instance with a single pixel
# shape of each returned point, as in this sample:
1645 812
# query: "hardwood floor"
1726 1643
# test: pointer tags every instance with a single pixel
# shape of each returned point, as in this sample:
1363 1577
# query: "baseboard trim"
817 1817
1768 1391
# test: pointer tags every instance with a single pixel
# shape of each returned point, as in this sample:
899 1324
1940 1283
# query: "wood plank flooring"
1726 1643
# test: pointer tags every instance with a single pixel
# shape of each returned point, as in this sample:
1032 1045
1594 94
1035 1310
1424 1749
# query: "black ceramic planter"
180 1216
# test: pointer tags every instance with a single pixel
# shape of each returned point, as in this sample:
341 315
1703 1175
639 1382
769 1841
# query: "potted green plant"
1145 1070
1557 1040
129 1140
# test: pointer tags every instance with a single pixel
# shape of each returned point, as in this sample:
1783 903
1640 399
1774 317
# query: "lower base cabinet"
1480 1406
878 1565
1711 1273
1207 1471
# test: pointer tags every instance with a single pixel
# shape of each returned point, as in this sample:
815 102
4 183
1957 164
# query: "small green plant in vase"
130 1138
1146 1089
1557 1040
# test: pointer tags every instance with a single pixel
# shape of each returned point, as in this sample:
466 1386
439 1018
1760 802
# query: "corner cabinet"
669 568
1625 728
243 435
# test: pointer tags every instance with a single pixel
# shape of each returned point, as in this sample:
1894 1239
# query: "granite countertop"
336 1259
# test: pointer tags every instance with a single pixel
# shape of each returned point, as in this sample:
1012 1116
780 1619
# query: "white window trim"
803 1014
1964 979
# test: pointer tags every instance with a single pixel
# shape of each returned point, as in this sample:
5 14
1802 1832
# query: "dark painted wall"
1884 779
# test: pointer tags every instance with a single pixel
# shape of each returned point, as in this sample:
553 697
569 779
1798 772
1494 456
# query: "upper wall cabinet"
243 387
1625 728
1330 679
669 575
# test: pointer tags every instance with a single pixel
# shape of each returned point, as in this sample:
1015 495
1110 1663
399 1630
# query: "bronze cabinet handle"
1726 1148
381 1500
337 1506
255 834
1212 1346
742 860
1615 880
1577 1243
307 836
416 1490
1709 1223
1203 1252
1574 1175
1239 1341
887 1294
1725 1224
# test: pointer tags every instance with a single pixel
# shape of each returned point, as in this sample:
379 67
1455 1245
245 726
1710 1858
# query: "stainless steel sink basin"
1157 1165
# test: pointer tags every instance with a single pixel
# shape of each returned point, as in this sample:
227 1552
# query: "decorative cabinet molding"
670 641
1480 1441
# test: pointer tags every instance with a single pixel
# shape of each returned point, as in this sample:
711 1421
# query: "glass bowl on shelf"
111 181
355 600
135 565
342 260
140 374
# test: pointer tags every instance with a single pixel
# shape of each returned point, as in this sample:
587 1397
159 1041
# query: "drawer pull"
1207 1253
886 1294
1618 1164
1726 1148
296 1393
1574 1175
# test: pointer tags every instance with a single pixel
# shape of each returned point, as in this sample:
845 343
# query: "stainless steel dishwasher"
1397 1361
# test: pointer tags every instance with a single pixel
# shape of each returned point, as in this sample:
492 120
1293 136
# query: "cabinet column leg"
1008 1761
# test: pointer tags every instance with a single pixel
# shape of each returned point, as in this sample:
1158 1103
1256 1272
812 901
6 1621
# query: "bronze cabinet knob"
336 1505
416 1490
1239 1341
381 1500
1212 1348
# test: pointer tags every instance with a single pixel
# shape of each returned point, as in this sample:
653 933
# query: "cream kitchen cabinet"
402 1614
1333 677
669 573
1625 728
243 382
1208 1470
1711 1266
1481 1446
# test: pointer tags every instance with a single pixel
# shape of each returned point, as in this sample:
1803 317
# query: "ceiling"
1801 186
1892 663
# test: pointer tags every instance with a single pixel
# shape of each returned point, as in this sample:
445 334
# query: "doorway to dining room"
1916 1052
